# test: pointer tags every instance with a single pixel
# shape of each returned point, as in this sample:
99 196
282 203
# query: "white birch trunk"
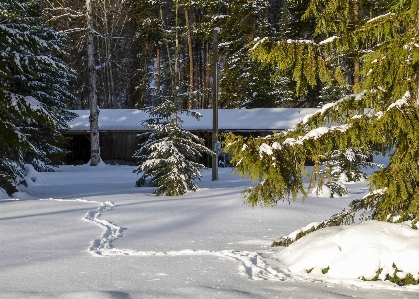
94 112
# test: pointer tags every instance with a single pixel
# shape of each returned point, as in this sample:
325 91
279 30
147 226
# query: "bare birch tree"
94 111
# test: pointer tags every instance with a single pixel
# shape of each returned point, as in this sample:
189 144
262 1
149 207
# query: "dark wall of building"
78 146
115 147
118 147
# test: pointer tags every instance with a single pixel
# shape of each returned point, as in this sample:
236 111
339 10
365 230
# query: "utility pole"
215 143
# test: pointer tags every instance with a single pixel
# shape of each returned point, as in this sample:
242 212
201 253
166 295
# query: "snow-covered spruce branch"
71 30
318 132
270 159
346 217
259 41
380 17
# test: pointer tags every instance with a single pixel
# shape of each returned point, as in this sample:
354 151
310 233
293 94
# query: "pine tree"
383 115
33 91
168 157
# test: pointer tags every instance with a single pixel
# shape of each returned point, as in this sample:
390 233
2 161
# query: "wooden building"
118 129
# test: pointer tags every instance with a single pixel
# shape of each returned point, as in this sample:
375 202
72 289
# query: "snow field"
202 245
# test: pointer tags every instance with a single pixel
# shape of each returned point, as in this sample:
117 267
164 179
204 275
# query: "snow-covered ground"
87 232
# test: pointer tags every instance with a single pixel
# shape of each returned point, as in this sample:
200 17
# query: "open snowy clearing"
85 232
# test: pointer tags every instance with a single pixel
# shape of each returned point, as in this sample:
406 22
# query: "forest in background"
71 54
150 50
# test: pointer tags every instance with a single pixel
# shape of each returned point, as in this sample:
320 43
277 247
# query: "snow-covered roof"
272 119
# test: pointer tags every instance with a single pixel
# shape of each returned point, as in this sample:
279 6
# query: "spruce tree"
33 91
151 78
169 156
382 115
244 83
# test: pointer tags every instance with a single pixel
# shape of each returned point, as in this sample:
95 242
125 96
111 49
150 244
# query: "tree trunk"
207 75
197 64
417 89
94 111
191 75
176 71
356 60
417 68
108 50
158 75
196 79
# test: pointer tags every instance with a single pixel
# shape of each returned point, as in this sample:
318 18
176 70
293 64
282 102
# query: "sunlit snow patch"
357 251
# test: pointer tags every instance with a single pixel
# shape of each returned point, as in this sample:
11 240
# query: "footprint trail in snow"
251 264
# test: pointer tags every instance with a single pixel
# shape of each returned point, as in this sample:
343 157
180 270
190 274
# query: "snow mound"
22 196
322 192
101 164
33 176
357 251
3 194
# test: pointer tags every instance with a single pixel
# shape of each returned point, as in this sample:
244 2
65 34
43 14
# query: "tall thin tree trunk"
417 88
176 72
108 49
196 78
207 75
158 74
417 68
94 111
191 75
197 61
356 60
167 50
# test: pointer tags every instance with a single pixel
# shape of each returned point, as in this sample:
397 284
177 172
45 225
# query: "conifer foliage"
340 167
383 114
33 91
169 156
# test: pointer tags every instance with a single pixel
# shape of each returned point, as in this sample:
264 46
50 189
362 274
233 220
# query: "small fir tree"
169 156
